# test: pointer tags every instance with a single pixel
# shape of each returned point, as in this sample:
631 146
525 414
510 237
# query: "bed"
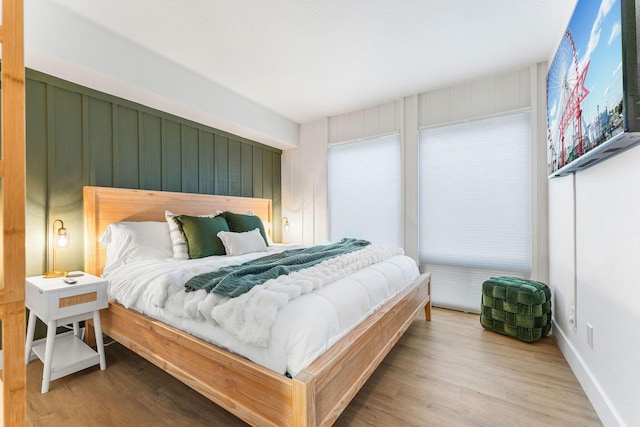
316 395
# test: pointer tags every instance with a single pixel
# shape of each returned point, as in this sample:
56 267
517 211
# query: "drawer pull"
77 299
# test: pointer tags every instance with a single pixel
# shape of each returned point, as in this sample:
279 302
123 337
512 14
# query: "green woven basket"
516 307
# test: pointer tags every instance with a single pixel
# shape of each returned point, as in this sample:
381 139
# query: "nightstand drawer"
53 299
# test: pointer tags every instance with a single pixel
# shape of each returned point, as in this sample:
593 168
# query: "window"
365 199
475 206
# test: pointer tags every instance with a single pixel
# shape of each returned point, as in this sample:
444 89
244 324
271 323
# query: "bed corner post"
303 400
89 333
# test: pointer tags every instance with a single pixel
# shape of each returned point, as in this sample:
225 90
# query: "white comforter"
283 324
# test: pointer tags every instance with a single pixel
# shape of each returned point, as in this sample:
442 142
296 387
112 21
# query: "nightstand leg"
76 329
48 355
97 327
31 328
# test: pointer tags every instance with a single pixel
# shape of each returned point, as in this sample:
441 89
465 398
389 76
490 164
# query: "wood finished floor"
447 372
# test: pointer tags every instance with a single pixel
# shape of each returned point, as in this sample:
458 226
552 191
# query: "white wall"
597 212
304 186
66 45
586 228
305 170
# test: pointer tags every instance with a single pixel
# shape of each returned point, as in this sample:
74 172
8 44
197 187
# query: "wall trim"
598 398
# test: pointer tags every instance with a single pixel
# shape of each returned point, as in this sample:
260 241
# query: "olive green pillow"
239 223
201 233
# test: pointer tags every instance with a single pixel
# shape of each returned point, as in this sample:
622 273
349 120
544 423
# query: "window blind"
364 192
475 205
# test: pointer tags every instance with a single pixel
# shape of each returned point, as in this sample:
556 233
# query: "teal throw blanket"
234 280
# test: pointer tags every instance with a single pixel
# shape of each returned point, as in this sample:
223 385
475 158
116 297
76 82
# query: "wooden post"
304 408
12 173
13 370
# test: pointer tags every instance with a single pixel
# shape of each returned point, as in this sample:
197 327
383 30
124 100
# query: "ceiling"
306 59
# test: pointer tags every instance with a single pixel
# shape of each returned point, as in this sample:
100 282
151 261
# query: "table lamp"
59 240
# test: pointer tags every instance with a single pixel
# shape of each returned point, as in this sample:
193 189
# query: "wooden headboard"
103 206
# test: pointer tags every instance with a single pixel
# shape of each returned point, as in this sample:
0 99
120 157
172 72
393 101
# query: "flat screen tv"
592 87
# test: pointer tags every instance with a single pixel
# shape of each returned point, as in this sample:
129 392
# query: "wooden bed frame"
255 394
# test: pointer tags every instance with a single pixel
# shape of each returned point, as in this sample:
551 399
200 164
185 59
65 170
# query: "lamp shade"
59 240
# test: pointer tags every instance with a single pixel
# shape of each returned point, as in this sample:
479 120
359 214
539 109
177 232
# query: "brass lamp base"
54 274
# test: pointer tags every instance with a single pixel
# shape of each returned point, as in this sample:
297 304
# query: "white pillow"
242 243
178 241
128 242
268 230
265 224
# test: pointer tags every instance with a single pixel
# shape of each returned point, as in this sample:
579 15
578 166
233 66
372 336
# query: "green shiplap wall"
77 136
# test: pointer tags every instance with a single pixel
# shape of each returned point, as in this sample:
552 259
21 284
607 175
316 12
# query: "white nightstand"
57 303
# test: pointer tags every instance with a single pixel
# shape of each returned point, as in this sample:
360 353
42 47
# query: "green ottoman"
516 307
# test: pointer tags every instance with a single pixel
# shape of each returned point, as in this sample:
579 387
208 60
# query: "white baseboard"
601 403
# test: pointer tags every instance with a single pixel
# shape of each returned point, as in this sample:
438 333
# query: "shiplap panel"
437 104
257 173
524 81
151 152
206 168
100 150
339 128
189 158
506 92
247 172
388 118
65 169
235 168
356 124
222 164
370 122
479 98
126 148
460 107
66 160
36 218
319 179
171 157
267 170
77 136
305 218
410 171
276 195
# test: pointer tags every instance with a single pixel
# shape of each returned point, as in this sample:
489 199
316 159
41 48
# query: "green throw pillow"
201 233
239 223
